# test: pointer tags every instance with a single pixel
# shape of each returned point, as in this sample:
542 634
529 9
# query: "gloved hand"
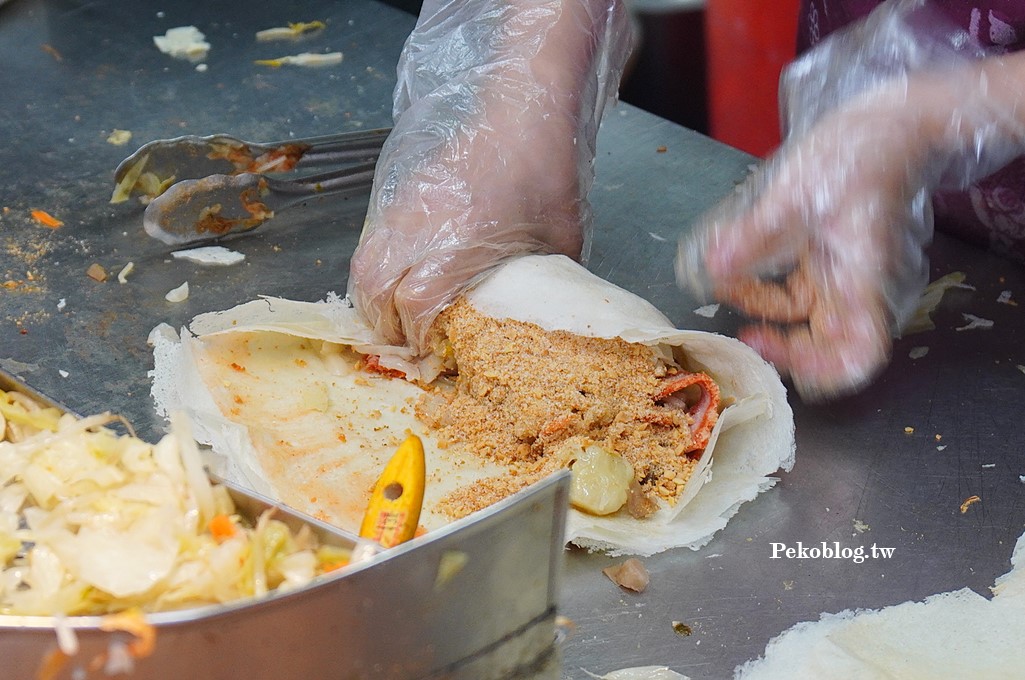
824 243
491 156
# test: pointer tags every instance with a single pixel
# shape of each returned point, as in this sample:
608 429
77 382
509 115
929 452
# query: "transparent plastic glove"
496 116
824 243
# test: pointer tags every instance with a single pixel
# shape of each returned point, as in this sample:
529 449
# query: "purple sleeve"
999 24
992 211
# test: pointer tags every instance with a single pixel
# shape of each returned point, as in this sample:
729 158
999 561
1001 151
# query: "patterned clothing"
992 211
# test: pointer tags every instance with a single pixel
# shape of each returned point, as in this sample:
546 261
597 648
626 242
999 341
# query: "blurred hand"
821 243
824 244
497 112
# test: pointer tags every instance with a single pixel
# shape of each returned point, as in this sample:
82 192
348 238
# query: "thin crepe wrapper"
753 438
958 634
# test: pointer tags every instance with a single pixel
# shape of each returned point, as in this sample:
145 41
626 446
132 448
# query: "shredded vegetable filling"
94 522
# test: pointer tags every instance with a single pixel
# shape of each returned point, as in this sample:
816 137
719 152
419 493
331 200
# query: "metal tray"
401 614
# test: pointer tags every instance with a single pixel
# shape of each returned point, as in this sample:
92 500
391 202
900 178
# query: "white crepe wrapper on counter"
959 634
753 439
954 635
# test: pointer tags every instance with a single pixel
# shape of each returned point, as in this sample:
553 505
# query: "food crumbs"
1005 298
974 322
682 629
122 276
707 311
119 137
179 294
661 149
968 502
290 32
788 585
52 51
909 430
236 367
861 527
309 59
96 272
46 219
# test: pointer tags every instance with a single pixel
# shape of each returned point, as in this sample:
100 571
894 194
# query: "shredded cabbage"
93 522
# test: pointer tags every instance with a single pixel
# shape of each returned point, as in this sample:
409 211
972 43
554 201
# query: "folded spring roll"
539 366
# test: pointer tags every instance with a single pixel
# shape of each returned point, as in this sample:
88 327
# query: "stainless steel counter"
73 72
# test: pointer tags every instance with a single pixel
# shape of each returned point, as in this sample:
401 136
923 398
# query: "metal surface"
857 467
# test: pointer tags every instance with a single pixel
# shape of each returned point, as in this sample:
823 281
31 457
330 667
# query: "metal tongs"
201 188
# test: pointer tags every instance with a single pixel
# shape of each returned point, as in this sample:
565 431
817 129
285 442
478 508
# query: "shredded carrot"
132 621
968 502
52 51
51 665
46 219
221 527
334 566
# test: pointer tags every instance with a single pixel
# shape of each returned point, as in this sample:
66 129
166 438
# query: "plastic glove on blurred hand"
817 245
825 243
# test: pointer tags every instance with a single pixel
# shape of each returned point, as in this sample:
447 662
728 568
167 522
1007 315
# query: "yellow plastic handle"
393 513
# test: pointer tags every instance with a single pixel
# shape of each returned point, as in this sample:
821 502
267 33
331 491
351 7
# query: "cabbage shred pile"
94 522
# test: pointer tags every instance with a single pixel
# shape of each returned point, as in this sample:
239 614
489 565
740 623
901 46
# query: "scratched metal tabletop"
890 467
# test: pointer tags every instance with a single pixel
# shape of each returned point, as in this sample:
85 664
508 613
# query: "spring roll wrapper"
306 427
957 634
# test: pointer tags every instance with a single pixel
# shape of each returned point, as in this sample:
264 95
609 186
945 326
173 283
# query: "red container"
748 44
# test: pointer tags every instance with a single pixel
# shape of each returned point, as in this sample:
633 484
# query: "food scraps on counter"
179 294
930 300
122 276
290 32
119 137
183 42
46 219
974 322
630 574
96 272
311 59
968 502
210 255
